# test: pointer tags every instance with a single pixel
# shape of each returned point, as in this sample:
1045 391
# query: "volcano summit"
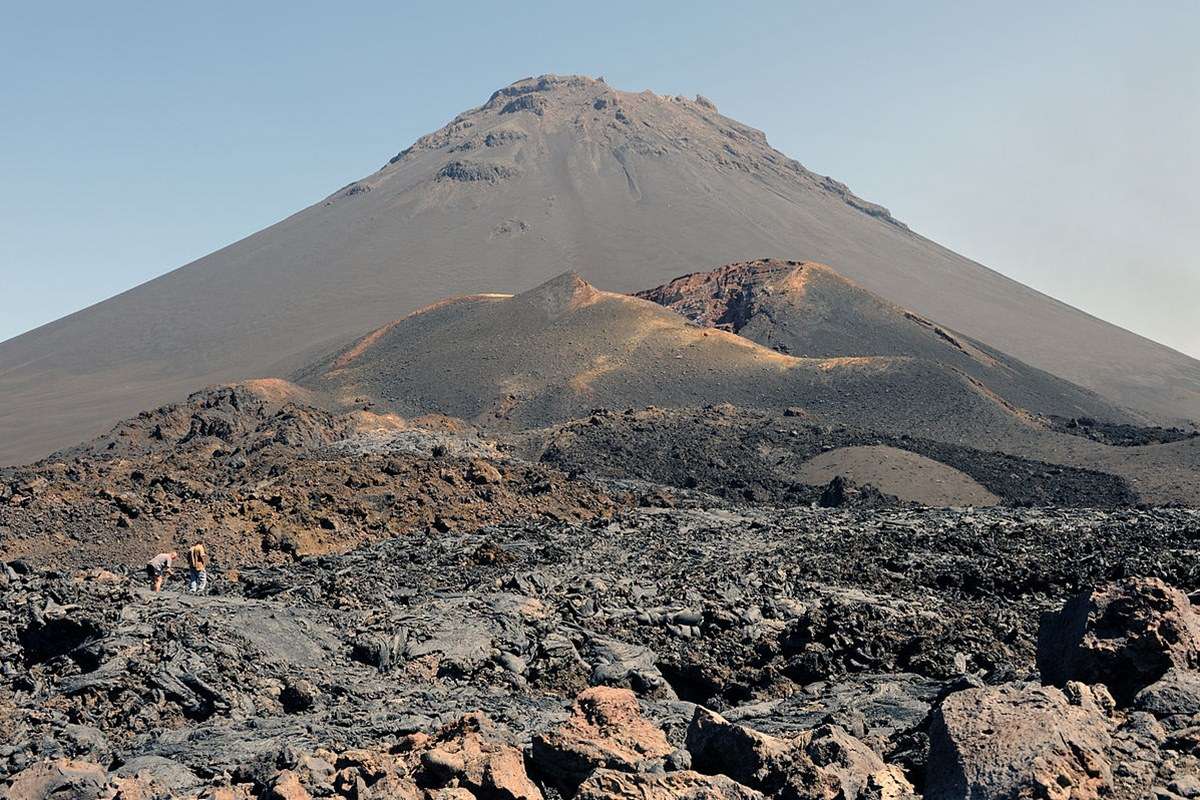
553 173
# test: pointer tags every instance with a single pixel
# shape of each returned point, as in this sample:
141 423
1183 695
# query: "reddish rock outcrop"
470 754
239 792
1125 635
605 731
606 784
79 780
820 764
1017 741
287 786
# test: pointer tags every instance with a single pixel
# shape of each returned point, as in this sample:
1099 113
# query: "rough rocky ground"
639 604
264 476
1120 435
761 456
856 650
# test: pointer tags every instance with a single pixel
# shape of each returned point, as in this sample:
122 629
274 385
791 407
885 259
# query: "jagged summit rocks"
628 189
646 123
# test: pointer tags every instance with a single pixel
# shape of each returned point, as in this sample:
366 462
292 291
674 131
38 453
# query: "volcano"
550 174
554 352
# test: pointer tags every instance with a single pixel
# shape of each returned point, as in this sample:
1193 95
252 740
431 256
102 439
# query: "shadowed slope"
807 309
555 352
628 189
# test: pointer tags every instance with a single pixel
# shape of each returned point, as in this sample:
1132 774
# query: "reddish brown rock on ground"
1017 741
1126 635
824 763
605 784
605 731
239 792
287 786
79 780
470 754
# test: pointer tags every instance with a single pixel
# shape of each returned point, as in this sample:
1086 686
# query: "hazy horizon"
1054 147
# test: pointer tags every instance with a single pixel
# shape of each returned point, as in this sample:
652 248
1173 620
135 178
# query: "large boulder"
1018 741
606 730
1125 635
1175 694
470 754
287 786
607 784
823 763
58 780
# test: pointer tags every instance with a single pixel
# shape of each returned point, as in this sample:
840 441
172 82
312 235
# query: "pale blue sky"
1056 144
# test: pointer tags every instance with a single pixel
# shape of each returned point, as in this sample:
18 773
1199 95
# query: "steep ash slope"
550 173
809 310
565 347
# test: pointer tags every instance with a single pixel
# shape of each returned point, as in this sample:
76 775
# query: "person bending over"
159 567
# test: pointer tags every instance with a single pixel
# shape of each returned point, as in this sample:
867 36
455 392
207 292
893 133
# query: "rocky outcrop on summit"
469 171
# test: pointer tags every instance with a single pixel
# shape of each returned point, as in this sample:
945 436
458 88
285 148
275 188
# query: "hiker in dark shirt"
159 567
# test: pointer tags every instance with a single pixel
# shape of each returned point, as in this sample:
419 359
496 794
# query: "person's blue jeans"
197 581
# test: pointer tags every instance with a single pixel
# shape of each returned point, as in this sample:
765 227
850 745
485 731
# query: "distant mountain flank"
628 190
